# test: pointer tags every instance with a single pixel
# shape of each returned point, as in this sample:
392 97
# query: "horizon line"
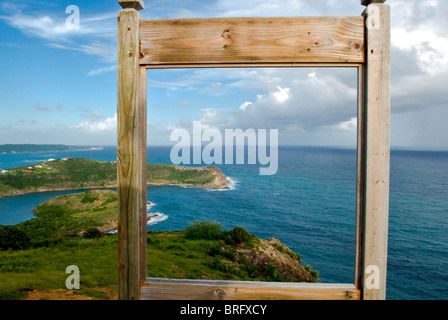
392 148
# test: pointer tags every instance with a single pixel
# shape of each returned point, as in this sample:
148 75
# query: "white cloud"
212 118
350 125
432 50
245 105
105 51
102 70
307 106
282 94
49 28
90 114
106 126
54 27
42 27
96 35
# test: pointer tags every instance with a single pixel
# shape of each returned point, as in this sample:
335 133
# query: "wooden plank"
127 157
254 65
377 99
171 289
142 110
252 40
361 174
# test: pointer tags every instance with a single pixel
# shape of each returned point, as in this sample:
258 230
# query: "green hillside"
83 173
66 231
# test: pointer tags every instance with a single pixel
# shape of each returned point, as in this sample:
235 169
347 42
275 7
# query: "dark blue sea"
309 205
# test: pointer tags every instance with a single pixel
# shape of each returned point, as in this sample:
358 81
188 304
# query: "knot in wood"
220 293
356 46
226 34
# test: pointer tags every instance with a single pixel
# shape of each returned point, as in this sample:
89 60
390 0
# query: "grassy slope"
82 173
56 245
68 215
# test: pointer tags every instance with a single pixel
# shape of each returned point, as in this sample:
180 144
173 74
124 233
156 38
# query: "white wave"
149 205
186 186
232 185
156 217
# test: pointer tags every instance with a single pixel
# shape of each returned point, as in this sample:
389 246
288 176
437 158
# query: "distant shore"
85 174
23 148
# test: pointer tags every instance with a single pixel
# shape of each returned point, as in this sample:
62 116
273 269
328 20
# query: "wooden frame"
360 42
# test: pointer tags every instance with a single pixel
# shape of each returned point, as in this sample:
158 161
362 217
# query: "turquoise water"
309 205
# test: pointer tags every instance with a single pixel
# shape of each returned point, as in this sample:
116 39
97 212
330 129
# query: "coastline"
63 148
88 174
149 184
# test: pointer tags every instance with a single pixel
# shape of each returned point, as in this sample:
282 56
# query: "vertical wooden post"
142 170
377 153
361 174
129 166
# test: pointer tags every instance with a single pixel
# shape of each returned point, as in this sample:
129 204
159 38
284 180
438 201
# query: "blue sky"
59 85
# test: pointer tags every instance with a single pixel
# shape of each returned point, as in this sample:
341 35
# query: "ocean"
309 205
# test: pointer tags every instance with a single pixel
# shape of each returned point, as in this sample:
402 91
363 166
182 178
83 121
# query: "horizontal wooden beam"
252 41
254 65
173 289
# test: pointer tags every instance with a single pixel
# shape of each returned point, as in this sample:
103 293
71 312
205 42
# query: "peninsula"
20 148
84 173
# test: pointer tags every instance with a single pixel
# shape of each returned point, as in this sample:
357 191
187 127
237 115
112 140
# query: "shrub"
239 235
314 274
204 230
248 269
89 198
14 238
272 274
217 249
92 233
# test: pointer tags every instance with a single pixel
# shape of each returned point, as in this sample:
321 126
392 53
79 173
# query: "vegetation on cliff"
83 173
67 231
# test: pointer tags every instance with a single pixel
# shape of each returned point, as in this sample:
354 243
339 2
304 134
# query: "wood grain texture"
252 40
127 157
361 175
377 100
142 170
170 289
254 65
